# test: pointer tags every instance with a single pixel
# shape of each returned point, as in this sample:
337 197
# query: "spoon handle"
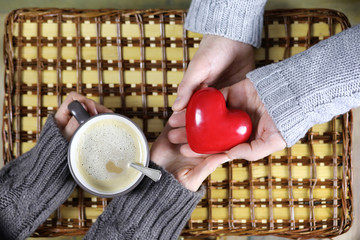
154 174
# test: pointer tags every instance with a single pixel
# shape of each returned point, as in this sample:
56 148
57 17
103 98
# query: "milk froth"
108 140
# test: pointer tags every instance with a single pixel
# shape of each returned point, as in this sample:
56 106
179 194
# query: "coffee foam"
104 141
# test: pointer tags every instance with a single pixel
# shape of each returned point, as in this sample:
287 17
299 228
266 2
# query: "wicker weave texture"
132 62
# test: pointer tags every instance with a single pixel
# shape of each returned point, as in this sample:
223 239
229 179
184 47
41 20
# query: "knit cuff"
280 101
35 184
313 86
239 20
153 210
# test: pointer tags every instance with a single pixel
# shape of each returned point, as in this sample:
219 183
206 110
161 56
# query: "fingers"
225 92
256 149
64 118
162 151
63 115
99 108
177 136
177 119
196 74
185 91
204 169
93 108
70 128
186 151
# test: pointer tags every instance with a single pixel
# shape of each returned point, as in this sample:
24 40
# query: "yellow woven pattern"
132 62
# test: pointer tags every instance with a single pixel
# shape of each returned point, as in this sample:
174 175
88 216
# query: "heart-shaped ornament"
211 127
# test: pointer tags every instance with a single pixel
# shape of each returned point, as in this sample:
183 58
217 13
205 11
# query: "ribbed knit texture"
313 86
150 211
239 20
34 185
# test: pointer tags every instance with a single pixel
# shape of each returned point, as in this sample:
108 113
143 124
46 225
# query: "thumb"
185 91
70 128
206 167
193 78
256 149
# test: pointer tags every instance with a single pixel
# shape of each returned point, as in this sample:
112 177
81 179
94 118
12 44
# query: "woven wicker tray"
132 62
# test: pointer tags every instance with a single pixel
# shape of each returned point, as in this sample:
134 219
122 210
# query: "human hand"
189 171
265 138
218 62
63 118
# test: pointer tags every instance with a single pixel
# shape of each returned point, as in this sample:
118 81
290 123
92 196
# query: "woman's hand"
189 171
219 62
64 119
264 140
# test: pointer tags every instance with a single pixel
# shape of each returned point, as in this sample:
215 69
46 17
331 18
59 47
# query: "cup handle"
78 111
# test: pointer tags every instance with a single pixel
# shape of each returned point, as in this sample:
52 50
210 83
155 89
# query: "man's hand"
219 62
264 140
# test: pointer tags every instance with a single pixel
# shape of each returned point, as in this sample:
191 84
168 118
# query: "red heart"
211 127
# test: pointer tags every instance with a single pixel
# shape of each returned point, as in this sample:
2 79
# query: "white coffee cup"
101 150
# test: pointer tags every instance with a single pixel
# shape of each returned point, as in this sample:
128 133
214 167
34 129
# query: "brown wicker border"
57 226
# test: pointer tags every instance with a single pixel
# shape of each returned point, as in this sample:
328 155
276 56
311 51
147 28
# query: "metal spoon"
154 174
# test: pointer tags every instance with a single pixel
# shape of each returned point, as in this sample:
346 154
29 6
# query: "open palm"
264 140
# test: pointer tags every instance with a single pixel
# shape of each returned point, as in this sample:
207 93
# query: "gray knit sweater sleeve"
34 185
312 87
239 20
151 211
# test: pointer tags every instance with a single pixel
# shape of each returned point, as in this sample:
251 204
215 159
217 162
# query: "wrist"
143 206
228 44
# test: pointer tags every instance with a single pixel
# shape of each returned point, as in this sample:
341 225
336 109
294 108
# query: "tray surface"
132 62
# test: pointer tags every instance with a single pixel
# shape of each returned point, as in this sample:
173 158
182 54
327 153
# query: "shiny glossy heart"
211 127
